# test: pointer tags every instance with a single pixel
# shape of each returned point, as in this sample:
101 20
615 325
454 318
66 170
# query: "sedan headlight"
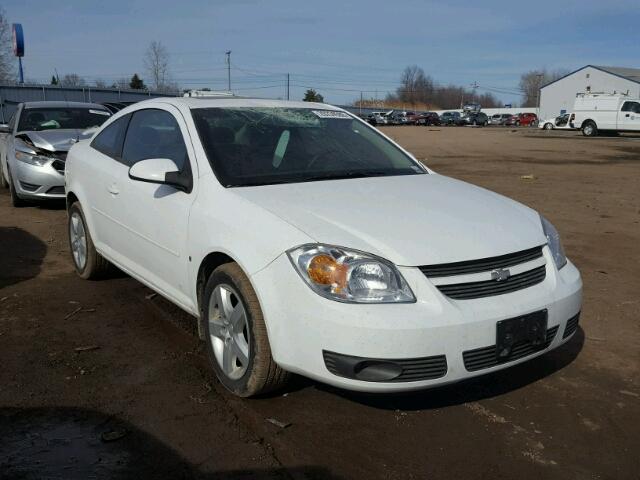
32 158
553 240
349 275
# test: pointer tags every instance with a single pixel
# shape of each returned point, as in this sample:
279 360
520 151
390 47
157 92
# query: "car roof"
230 102
63 105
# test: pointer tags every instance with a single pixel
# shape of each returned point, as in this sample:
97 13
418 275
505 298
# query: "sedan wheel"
548 126
236 335
89 264
229 331
78 240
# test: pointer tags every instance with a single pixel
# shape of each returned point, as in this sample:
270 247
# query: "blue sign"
18 40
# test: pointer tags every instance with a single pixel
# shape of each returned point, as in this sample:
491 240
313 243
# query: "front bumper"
37 183
303 326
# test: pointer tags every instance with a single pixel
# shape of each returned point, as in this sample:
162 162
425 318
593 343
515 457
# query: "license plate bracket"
530 328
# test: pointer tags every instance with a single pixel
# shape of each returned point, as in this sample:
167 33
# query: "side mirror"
4 128
161 171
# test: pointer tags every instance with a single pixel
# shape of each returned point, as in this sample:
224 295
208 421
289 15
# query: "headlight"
32 159
553 240
349 275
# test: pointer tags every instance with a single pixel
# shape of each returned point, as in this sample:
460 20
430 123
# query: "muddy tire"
89 264
236 335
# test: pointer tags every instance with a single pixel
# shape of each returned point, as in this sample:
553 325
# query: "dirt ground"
104 380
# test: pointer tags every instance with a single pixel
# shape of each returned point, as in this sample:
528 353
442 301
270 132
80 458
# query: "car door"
100 173
629 116
154 218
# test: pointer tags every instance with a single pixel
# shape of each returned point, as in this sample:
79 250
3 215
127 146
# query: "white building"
558 96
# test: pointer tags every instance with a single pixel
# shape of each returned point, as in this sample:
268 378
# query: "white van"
606 112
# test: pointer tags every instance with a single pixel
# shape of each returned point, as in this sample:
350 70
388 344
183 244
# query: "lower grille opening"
30 187
385 370
572 326
56 190
486 357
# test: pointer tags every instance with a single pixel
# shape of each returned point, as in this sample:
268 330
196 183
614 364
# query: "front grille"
59 166
30 187
482 265
412 370
488 288
56 190
572 326
486 357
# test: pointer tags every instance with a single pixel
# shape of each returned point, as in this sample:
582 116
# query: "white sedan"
305 241
562 122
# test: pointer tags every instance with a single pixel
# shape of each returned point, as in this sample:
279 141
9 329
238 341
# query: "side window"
154 133
109 141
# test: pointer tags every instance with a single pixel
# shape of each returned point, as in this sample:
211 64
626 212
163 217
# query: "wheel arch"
209 263
71 199
588 120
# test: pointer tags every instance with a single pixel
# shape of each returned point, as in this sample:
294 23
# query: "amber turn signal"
324 270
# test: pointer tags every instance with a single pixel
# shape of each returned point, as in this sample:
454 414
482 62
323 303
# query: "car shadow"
21 255
475 389
78 443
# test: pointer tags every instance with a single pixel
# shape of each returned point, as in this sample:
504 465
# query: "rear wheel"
589 129
236 335
89 264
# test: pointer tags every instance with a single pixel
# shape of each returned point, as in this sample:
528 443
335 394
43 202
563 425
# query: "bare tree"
100 83
7 60
421 92
532 81
72 80
156 61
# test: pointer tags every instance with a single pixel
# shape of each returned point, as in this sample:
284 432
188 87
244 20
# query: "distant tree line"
419 91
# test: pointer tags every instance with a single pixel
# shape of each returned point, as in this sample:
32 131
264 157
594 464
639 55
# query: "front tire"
236 335
16 201
89 264
3 180
548 126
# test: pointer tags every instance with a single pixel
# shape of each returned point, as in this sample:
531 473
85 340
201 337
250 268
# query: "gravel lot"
105 380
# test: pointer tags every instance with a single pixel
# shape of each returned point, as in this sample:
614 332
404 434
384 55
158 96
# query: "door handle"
113 189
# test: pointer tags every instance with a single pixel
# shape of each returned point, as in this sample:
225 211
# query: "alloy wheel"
78 237
229 331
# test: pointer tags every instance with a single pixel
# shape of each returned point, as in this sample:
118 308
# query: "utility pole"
287 86
228 54
360 103
539 82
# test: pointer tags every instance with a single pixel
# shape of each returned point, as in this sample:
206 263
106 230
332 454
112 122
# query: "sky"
340 48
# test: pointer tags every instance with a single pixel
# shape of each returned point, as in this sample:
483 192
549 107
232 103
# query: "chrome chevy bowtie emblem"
500 274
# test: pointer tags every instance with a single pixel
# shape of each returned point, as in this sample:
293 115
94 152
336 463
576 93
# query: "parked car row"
471 115
255 217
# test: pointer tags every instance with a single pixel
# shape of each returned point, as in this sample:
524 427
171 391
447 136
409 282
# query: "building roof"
628 73
631 74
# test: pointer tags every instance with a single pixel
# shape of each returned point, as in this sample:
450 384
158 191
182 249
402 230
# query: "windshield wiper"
341 176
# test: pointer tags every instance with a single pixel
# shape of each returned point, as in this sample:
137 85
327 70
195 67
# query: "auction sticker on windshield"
332 114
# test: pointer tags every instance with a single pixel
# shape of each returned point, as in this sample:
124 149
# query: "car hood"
60 140
410 220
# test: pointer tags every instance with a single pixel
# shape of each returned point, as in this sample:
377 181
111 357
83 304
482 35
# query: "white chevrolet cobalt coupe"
305 241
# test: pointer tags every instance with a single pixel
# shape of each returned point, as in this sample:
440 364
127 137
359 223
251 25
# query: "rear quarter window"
109 141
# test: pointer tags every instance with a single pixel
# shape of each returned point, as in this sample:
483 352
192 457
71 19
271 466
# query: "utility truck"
606 113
